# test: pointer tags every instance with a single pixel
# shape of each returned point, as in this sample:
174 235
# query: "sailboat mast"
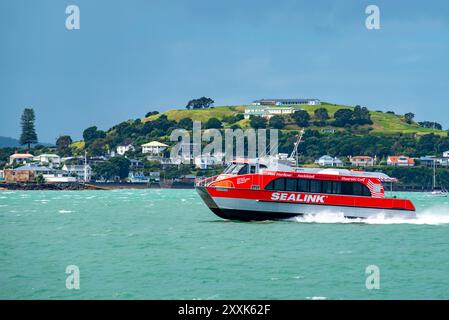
434 174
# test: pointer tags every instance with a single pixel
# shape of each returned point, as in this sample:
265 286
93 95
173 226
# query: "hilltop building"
266 111
283 102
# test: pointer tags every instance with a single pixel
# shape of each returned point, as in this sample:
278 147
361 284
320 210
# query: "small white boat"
437 192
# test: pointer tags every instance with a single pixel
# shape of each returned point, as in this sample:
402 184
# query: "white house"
328 161
446 154
122 149
205 161
154 147
400 161
20 158
266 111
84 173
52 160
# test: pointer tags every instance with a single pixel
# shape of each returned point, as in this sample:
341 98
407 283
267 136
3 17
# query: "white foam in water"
435 215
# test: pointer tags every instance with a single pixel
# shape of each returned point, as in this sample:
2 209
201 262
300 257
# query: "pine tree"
28 135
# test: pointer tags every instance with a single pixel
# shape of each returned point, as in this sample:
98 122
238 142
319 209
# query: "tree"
301 118
343 117
321 114
28 135
201 103
213 123
63 144
122 165
258 122
97 147
93 133
409 117
361 116
277 122
186 123
151 113
115 167
432 125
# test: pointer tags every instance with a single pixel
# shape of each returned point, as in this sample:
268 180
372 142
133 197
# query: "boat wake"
436 215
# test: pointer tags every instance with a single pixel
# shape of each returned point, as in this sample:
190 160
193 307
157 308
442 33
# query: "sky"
134 56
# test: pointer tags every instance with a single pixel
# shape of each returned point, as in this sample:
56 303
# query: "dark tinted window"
327 186
270 186
279 184
315 186
336 187
319 186
244 169
303 185
346 188
290 184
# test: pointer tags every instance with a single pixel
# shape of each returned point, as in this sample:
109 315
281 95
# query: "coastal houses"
400 161
51 160
154 147
328 161
82 172
20 158
362 161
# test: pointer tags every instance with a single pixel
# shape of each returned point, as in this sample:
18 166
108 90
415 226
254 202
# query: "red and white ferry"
268 190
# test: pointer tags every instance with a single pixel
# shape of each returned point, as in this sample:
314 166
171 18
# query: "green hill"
383 123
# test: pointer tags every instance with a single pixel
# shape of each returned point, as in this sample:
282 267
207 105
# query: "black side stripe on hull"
247 215
336 205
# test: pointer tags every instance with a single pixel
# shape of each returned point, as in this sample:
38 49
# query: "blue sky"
130 57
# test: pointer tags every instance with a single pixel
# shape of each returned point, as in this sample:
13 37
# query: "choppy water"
165 244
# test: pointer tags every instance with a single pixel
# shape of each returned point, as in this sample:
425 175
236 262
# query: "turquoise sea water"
165 244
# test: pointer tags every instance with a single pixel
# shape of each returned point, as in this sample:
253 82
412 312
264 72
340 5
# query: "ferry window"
229 169
244 169
239 169
327 186
357 189
303 185
270 186
279 184
365 191
336 187
290 184
252 169
315 186
262 166
346 188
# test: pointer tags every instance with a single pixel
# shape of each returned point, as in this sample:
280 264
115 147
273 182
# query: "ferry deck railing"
204 181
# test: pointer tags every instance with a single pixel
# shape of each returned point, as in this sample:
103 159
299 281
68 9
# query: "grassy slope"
384 123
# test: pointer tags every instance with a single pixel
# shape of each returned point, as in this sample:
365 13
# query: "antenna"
294 154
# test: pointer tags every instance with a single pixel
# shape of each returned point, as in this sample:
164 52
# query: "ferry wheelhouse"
268 190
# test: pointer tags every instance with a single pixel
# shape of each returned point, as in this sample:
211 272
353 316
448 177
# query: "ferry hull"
258 210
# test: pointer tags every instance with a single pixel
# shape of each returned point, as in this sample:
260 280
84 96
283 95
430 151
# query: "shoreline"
76 186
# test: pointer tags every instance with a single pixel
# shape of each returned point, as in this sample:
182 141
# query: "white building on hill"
154 147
